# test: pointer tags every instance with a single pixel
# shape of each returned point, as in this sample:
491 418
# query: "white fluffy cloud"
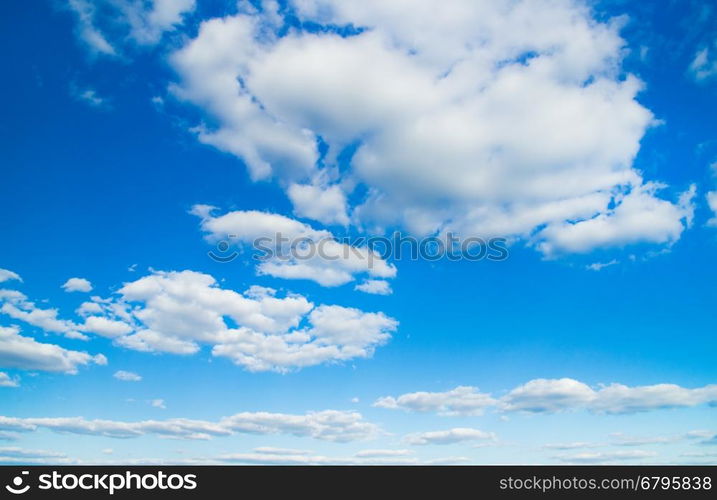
6 275
336 334
554 395
451 436
149 20
544 395
327 425
16 305
77 285
8 381
105 327
375 287
489 118
548 395
26 353
305 253
177 311
619 398
89 308
126 376
324 204
462 400
639 217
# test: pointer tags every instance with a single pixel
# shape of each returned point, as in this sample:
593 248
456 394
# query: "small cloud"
158 403
375 287
644 53
598 266
89 96
8 381
450 436
89 308
463 401
77 285
127 376
108 451
6 275
354 400
704 65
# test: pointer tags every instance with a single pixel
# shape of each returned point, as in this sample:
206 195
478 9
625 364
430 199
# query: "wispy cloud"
126 376
599 266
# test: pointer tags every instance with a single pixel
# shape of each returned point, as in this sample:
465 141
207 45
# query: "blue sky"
138 135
